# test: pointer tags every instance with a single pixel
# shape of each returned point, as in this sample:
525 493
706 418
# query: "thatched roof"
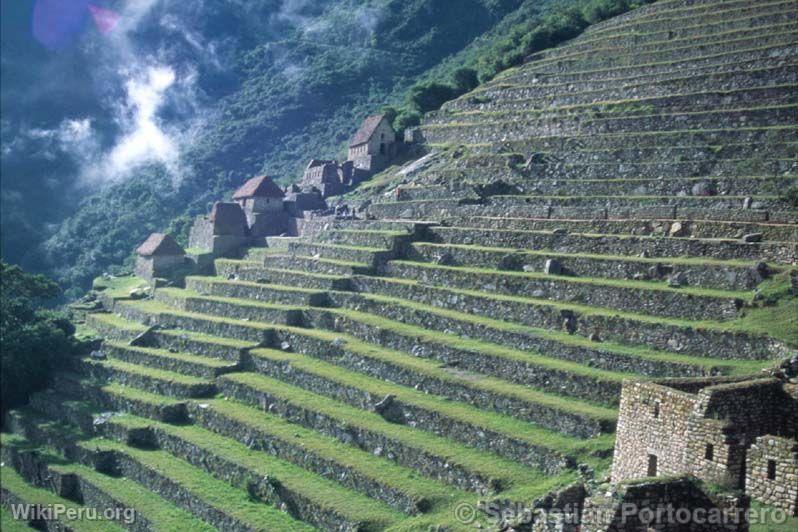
261 186
367 129
159 244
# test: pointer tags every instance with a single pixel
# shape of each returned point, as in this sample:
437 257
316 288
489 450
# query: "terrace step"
626 245
781 30
361 238
644 297
549 411
593 208
755 73
432 455
254 272
297 296
684 10
767 94
16 491
187 364
523 368
653 70
358 254
501 435
696 272
194 490
474 182
151 380
703 229
416 372
114 397
679 336
97 490
480 131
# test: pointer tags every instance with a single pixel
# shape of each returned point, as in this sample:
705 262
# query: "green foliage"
430 96
465 79
33 338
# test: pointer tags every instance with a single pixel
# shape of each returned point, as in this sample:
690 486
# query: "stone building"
222 232
707 427
159 256
262 202
325 176
772 472
373 144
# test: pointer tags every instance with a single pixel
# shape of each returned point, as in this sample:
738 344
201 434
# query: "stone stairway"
618 207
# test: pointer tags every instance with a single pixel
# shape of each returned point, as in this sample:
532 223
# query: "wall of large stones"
653 420
781 491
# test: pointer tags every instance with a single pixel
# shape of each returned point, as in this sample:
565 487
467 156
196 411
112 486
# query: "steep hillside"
257 89
622 206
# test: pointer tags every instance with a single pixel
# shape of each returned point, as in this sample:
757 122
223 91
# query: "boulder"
677 280
752 237
677 229
552 267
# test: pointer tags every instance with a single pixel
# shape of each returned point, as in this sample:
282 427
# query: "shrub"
430 96
33 338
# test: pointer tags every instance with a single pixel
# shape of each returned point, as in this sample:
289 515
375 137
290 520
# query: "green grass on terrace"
498 83
204 280
462 412
686 261
137 395
266 268
325 494
434 370
487 464
344 247
166 354
233 501
162 514
608 106
662 15
431 336
704 39
119 287
15 484
403 479
730 325
8 523
152 373
733 367
595 281
722 38
607 118
726 366
638 66
619 236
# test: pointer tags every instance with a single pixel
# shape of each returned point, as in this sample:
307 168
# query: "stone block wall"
668 505
772 472
652 422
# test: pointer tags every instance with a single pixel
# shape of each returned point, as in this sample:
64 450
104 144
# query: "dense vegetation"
33 338
283 92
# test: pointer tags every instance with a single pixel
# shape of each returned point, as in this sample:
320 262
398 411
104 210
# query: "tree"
465 79
32 338
430 96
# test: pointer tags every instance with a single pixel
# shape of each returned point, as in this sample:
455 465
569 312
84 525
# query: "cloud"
143 138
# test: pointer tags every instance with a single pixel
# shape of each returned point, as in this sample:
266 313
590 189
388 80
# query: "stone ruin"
736 432
611 211
159 257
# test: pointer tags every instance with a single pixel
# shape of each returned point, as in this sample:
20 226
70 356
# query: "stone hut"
222 232
373 144
262 202
159 256
324 176
706 427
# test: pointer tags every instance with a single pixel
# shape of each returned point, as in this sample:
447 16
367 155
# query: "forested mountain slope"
255 86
